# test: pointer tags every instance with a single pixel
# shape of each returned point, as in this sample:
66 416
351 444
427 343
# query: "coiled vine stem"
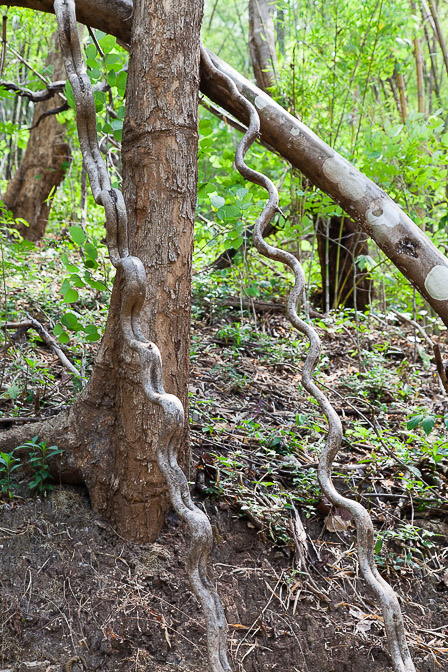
393 619
132 300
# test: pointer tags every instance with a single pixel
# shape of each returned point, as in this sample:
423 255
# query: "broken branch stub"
133 297
393 619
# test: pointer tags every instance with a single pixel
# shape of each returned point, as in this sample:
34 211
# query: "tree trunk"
160 173
262 42
29 194
111 432
339 244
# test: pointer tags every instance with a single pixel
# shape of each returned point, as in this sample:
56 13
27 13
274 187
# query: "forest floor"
76 596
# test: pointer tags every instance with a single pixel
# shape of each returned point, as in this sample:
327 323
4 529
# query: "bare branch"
35 96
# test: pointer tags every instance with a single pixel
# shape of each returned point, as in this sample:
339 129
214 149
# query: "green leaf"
107 43
95 284
112 58
205 127
89 263
117 124
121 80
217 201
428 424
64 338
91 250
65 286
91 63
58 329
68 92
415 421
229 212
91 51
111 77
76 280
92 333
207 187
77 234
69 266
13 391
4 93
71 296
414 470
205 123
378 546
70 321
253 290
95 73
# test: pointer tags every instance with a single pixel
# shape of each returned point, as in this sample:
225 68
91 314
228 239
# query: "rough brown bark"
262 42
43 165
159 168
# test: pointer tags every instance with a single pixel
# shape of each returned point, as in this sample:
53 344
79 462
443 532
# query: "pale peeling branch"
368 205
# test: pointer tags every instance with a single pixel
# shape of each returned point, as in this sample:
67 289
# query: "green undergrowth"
259 435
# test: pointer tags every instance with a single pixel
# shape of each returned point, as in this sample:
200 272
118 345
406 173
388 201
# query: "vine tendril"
393 619
133 296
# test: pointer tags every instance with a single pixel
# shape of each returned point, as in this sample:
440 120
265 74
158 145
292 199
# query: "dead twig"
31 323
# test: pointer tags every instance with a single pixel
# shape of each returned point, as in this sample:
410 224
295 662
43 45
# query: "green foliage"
8 464
413 541
79 277
38 458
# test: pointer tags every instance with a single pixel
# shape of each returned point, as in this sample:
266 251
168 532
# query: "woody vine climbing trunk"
111 433
159 168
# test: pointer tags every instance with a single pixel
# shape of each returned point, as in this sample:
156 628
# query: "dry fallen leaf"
335 523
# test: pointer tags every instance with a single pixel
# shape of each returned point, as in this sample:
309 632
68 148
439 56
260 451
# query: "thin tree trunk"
402 92
437 28
431 52
30 192
419 69
262 42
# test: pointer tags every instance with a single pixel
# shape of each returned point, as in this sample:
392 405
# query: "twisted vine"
133 297
393 619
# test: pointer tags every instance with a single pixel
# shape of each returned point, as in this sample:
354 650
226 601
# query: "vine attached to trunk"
393 619
133 297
